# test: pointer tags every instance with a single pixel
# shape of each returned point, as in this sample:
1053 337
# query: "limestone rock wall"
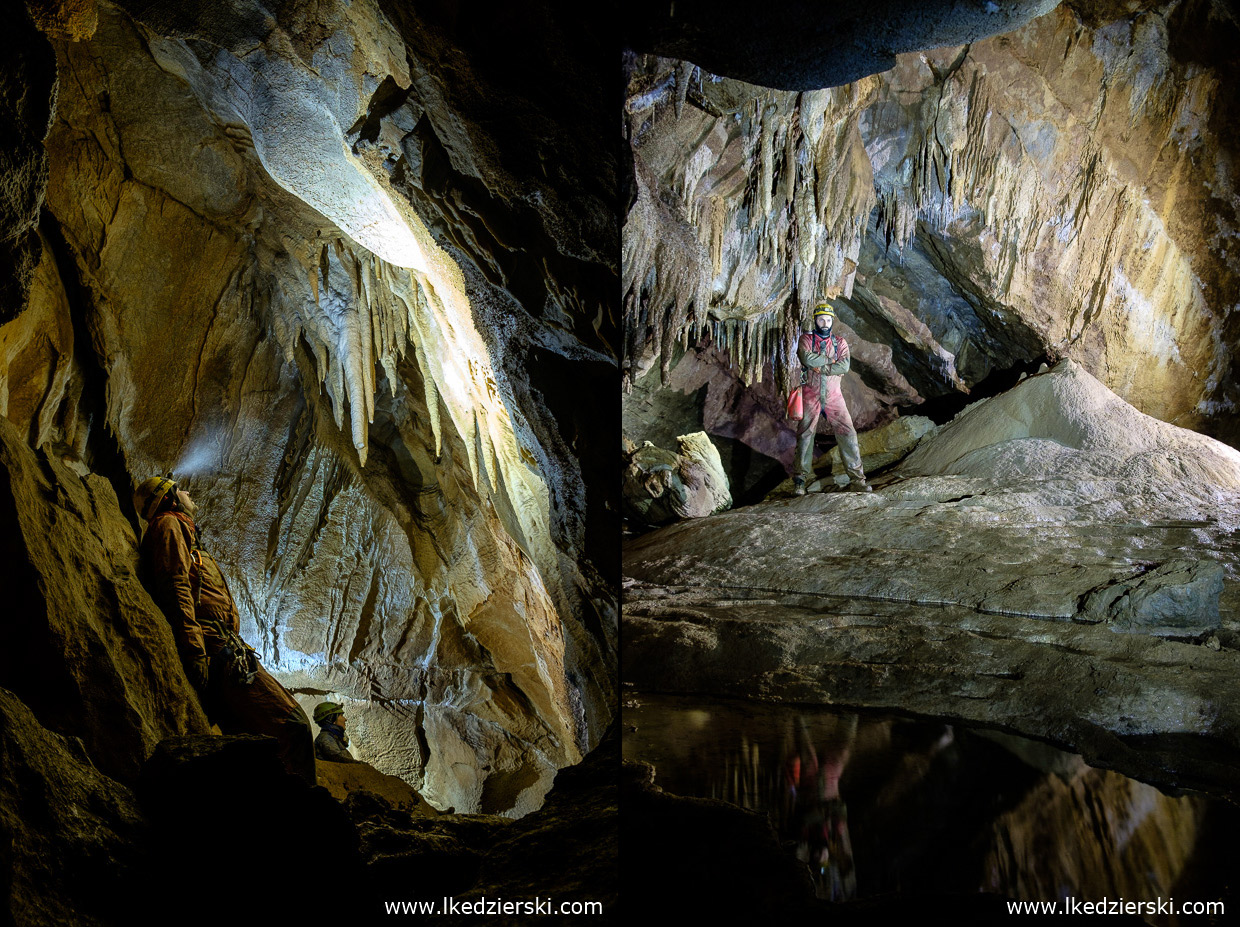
27 101
1065 189
1073 176
86 649
260 273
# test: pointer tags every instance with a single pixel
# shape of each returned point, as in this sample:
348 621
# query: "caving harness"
796 404
237 658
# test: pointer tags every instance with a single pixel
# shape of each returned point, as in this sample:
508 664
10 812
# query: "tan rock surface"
88 651
399 511
343 779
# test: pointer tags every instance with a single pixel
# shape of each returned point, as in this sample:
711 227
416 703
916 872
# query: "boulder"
76 845
232 827
568 850
661 486
343 780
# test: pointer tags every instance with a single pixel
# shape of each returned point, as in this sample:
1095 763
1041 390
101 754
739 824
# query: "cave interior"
328 265
1024 216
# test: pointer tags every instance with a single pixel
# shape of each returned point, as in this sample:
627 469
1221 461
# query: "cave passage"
273 251
972 212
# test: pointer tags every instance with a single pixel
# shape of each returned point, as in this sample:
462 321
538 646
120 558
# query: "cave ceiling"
1063 189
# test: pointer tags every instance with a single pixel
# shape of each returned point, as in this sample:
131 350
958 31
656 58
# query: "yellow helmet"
148 496
824 309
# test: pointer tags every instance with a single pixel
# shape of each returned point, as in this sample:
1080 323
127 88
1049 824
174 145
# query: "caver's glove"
196 670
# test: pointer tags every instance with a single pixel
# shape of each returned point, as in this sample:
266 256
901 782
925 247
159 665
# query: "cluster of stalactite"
664 278
761 215
358 322
365 314
1069 180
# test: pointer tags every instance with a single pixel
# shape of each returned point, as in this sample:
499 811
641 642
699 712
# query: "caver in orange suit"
189 587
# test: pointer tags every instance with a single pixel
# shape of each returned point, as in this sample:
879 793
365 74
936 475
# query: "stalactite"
791 144
767 165
336 390
718 223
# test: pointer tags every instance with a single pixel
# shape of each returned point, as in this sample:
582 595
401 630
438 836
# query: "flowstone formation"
1066 189
296 257
1052 562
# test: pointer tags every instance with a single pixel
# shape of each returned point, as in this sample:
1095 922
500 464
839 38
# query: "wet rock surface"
982 582
733 859
917 807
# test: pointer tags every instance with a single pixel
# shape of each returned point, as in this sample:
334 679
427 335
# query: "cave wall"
1064 189
292 259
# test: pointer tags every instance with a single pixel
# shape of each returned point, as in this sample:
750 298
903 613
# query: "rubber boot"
851 453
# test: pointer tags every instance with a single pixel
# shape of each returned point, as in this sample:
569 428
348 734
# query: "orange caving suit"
179 572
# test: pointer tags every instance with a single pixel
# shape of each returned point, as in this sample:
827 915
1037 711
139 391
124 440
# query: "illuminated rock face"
1064 190
256 274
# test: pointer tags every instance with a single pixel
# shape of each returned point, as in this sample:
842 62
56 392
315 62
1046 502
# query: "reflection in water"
812 814
876 805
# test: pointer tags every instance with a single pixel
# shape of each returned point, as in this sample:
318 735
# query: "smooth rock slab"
1174 596
984 582
1163 711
